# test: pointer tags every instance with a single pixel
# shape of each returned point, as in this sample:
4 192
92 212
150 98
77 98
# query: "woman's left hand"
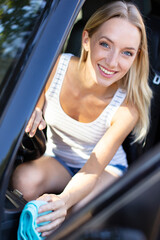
56 217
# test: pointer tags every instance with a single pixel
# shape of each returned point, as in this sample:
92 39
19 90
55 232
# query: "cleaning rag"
27 224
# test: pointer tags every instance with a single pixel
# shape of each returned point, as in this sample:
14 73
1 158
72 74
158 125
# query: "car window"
17 20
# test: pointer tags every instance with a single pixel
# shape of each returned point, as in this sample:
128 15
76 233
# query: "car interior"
102 226
139 157
121 212
152 21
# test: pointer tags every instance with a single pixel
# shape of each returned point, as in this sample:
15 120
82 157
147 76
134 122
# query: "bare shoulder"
127 114
74 60
52 74
73 64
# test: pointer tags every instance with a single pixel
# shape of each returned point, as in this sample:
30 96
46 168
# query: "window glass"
17 20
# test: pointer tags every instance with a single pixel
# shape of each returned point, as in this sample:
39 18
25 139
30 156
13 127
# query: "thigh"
43 175
55 176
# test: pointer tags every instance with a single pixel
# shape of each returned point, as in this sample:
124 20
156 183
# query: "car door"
23 82
129 209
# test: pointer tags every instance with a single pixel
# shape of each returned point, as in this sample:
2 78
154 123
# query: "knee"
27 179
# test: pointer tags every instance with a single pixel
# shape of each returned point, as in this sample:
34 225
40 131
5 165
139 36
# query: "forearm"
41 100
78 188
36 120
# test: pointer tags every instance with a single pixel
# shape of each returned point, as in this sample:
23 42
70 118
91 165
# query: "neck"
88 85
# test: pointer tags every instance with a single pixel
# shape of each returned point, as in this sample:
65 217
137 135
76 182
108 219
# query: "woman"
90 105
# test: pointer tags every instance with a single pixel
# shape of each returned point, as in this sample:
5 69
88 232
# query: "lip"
106 72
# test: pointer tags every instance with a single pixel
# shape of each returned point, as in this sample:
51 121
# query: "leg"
104 181
43 175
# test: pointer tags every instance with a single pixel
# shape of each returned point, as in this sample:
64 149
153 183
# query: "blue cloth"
27 224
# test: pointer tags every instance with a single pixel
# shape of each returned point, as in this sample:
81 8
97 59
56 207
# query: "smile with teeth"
106 71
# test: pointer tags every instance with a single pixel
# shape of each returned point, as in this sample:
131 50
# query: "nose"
112 59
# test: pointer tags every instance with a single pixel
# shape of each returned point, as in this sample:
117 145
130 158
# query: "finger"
30 122
52 206
45 197
42 125
45 234
34 122
51 226
34 126
52 216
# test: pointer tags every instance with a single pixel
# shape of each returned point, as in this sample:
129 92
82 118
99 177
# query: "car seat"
133 151
152 22
74 43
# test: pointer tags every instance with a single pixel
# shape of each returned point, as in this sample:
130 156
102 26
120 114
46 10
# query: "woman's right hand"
36 121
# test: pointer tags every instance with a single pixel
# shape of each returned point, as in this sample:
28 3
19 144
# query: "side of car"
116 211
127 210
41 51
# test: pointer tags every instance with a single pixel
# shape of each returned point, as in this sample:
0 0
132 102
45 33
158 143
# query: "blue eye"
104 44
127 53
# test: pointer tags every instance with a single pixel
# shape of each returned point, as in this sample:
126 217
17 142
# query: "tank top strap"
115 103
60 72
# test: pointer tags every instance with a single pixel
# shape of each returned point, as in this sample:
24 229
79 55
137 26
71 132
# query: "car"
32 35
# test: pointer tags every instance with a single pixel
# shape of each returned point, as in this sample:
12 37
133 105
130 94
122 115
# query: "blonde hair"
135 82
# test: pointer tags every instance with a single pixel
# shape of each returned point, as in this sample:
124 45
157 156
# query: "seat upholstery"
152 22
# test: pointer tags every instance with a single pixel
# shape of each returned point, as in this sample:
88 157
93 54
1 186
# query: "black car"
32 34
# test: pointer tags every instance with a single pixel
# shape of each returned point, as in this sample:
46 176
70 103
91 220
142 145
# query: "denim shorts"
72 171
117 168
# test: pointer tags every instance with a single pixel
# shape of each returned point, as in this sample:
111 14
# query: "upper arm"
122 124
41 100
51 76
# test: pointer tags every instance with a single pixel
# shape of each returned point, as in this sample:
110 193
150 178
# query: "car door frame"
35 67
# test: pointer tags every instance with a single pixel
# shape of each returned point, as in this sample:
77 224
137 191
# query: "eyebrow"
130 48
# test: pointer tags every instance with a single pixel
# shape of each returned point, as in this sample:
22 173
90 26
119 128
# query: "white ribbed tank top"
69 139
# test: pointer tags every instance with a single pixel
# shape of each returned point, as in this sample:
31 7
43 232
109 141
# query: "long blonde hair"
135 82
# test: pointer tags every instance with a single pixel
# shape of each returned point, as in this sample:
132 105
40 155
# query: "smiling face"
111 50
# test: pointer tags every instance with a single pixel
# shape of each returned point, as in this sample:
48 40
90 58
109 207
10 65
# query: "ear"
85 40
